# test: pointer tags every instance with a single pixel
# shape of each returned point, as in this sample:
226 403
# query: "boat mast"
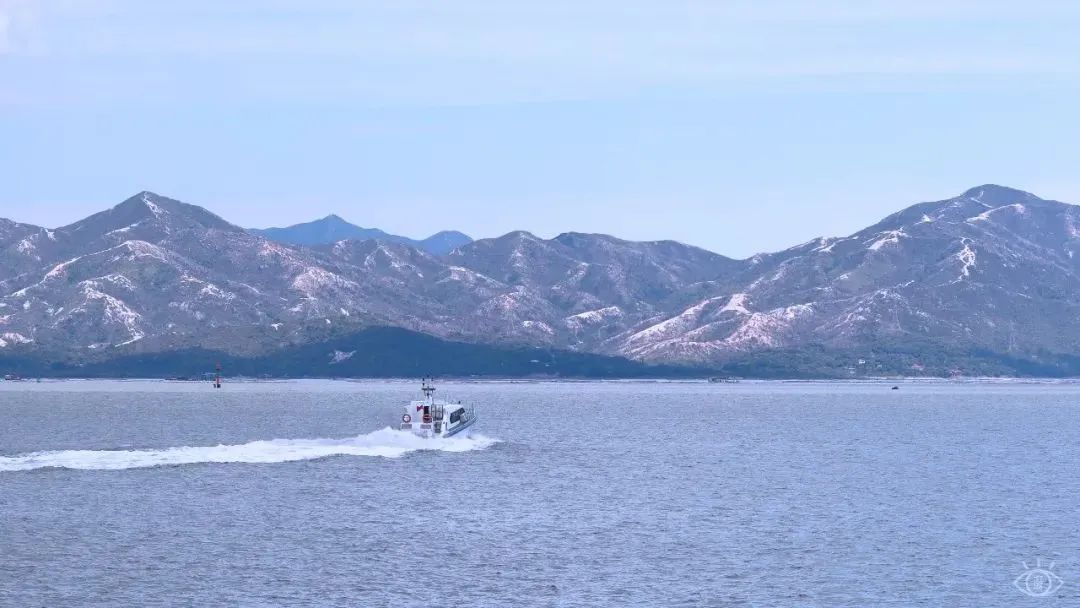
217 376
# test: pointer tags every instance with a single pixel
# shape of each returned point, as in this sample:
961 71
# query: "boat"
430 417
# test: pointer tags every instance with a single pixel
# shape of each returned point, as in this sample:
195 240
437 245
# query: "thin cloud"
486 51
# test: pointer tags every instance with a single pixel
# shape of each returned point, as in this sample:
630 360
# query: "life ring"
406 418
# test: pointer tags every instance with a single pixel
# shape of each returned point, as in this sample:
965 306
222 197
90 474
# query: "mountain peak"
445 241
993 194
970 203
140 198
523 235
143 210
449 233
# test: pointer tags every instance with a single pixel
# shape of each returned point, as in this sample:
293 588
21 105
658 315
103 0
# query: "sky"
738 126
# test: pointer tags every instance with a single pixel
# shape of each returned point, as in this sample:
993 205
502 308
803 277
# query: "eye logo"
1038 581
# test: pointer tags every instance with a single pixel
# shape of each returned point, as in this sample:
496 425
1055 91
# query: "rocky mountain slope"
332 229
993 270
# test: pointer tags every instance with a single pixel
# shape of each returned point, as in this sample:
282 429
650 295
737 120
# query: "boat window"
457 414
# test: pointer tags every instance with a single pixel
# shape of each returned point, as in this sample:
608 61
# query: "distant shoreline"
568 380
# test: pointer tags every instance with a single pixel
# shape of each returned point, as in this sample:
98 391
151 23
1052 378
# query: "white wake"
387 443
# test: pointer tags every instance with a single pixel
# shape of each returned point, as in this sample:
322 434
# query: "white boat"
430 417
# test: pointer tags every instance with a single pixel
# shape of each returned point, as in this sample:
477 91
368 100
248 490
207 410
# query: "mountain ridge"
332 229
992 270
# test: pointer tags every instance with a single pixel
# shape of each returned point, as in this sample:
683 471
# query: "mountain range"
331 229
984 282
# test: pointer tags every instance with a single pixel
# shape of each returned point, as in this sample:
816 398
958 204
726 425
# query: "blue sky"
739 126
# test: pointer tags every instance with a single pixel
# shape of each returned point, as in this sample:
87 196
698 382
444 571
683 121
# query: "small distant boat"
725 379
436 418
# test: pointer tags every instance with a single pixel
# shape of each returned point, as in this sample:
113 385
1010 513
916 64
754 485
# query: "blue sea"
609 494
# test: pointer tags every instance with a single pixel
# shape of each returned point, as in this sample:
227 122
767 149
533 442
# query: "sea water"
566 494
